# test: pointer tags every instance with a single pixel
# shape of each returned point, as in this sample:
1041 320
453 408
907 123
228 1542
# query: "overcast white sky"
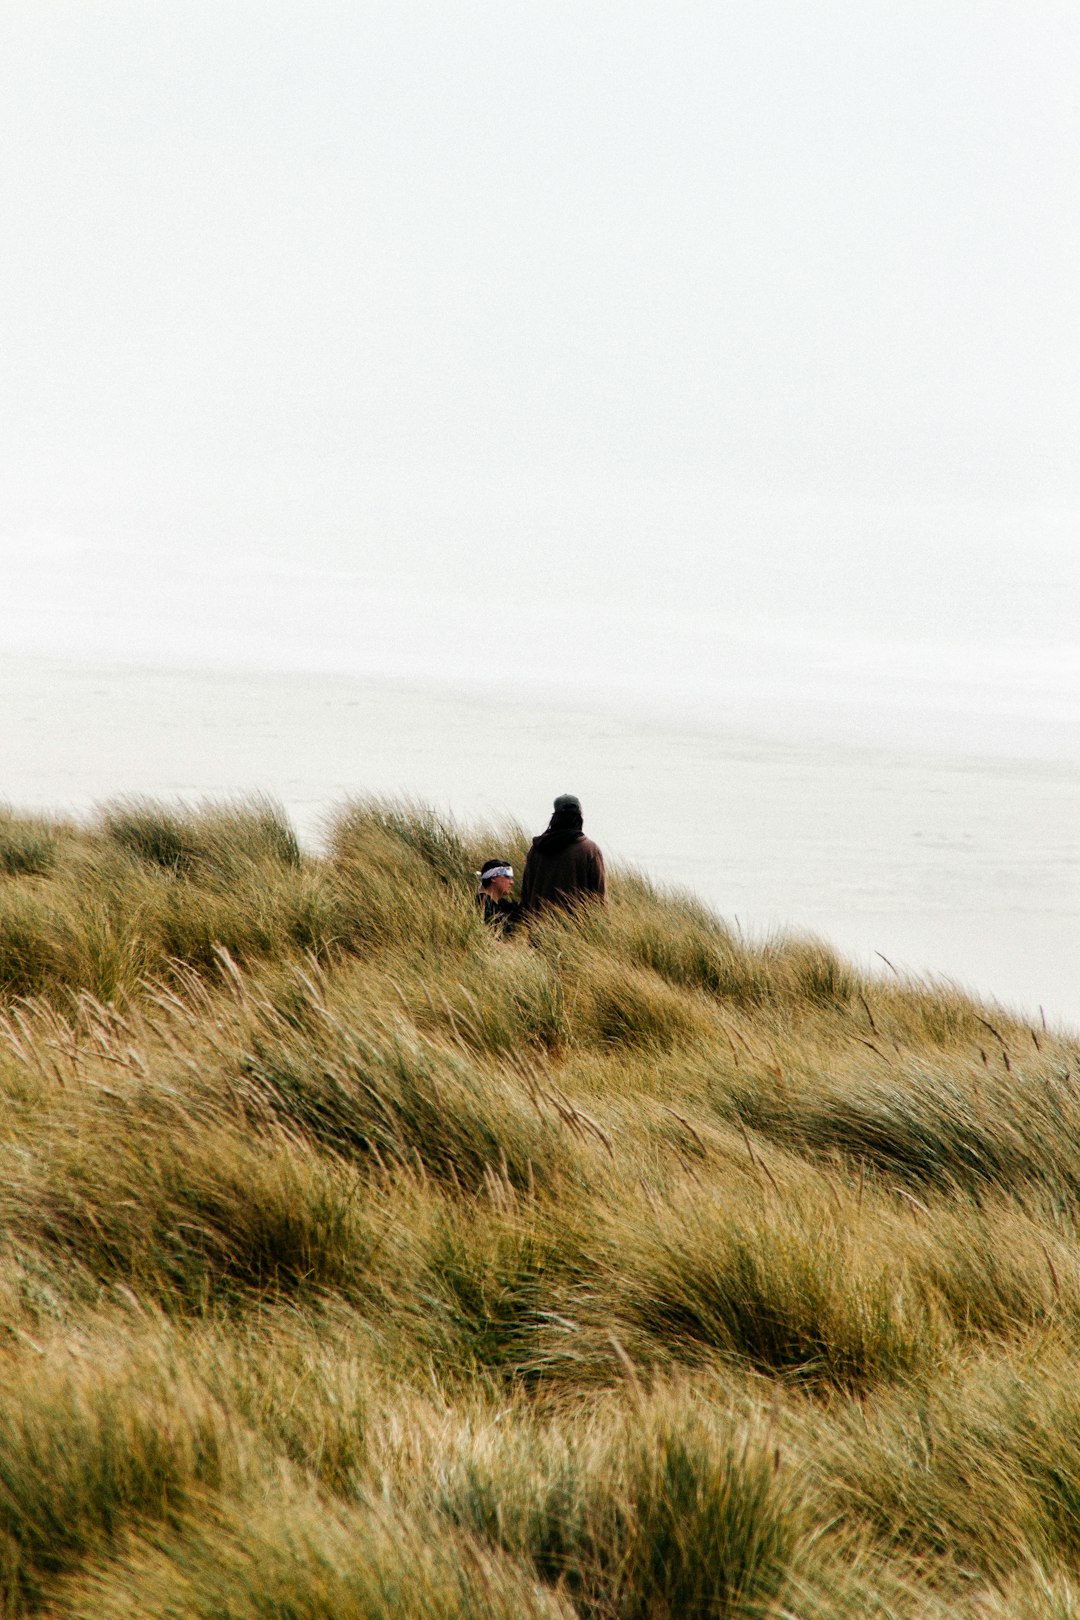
720 344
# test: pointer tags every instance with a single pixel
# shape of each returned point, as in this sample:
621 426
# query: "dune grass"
356 1263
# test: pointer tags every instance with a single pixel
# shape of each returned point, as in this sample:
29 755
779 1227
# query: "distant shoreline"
963 866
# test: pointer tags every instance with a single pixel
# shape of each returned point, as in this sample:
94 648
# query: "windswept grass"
357 1263
661 1511
28 845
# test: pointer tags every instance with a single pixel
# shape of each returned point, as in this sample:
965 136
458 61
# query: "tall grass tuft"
85 1451
660 1514
357 1262
28 844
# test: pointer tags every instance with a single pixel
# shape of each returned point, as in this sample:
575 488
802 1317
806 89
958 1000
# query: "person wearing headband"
494 896
563 867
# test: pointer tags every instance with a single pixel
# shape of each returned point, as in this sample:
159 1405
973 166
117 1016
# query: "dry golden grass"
359 1264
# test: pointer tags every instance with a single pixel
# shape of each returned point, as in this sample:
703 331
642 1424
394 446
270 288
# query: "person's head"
566 813
496 878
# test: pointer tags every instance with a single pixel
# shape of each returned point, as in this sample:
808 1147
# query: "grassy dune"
357 1264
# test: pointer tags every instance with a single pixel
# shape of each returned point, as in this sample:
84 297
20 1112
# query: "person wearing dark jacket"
498 910
562 866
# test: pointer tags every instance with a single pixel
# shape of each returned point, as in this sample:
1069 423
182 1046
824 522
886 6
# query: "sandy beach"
965 867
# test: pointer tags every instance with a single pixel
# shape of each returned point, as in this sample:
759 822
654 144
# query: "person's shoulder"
589 846
508 916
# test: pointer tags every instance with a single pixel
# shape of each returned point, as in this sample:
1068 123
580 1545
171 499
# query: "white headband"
495 871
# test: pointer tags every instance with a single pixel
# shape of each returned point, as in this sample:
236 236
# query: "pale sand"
964 867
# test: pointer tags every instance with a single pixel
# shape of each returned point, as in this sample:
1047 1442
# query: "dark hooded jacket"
562 866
